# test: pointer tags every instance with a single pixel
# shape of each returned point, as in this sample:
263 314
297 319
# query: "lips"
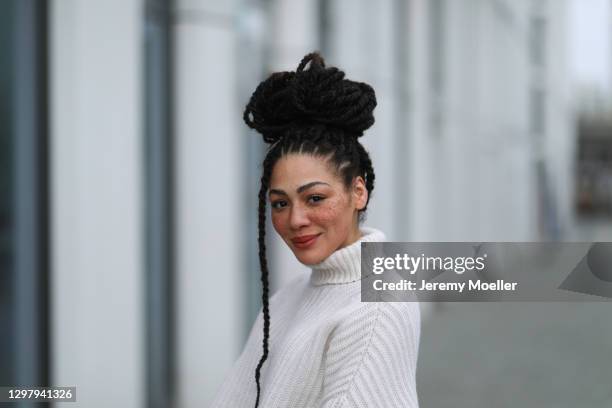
305 241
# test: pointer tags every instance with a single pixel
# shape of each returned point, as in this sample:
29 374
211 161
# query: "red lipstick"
304 241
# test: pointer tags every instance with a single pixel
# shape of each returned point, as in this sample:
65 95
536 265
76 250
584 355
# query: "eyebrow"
299 189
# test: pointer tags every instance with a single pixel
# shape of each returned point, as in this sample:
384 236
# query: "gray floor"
557 355
516 355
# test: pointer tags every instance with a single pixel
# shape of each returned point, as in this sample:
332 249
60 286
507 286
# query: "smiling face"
312 210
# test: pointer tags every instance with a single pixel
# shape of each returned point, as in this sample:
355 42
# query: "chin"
309 259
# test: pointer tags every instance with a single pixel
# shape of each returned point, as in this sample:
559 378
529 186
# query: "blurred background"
128 183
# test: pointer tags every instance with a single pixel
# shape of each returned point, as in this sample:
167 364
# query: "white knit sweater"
327 348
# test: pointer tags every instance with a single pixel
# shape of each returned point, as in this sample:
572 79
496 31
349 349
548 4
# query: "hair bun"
317 95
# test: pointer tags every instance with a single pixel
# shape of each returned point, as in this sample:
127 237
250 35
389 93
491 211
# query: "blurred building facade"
154 178
593 175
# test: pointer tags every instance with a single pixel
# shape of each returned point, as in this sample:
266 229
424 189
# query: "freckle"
330 211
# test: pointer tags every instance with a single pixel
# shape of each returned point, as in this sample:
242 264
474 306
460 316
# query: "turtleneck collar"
344 265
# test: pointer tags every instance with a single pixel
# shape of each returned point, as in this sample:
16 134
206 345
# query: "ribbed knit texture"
327 348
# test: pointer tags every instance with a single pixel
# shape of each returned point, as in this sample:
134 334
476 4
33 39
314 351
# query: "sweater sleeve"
371 358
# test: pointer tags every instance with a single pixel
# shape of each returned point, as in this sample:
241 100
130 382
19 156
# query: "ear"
359 193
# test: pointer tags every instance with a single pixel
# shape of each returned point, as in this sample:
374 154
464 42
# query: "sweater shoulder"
391 326
346 311
388 311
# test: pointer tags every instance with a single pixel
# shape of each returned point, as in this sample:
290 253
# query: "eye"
316 198
278 204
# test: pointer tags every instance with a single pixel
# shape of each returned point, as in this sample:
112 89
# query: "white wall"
97 292
210 196
560 148
475 180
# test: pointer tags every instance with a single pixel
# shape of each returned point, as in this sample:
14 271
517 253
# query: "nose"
298 217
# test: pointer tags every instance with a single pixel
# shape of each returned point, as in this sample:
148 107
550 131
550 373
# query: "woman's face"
311 208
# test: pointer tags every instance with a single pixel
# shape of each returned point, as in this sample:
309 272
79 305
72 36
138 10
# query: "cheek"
278 223
332 213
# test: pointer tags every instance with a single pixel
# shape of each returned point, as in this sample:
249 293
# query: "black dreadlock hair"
310 111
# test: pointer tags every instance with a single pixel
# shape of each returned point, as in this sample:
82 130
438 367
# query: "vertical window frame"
159 204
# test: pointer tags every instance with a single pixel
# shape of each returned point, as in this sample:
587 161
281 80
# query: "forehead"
297 169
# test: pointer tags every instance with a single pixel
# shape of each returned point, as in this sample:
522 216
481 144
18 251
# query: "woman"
324 348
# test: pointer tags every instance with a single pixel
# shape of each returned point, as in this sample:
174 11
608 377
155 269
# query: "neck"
353 237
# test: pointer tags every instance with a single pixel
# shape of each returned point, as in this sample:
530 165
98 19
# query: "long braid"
263 263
